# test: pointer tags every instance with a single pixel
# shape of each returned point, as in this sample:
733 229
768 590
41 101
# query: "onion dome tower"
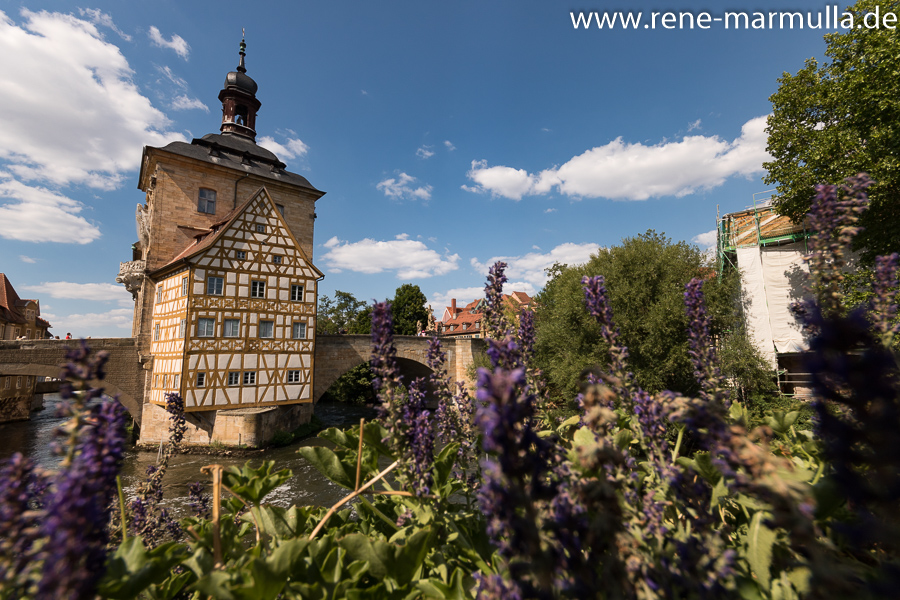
239 103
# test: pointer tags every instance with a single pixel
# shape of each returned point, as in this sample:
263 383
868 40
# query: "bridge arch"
124 378
337 354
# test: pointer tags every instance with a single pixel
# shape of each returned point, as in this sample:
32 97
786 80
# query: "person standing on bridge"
68 336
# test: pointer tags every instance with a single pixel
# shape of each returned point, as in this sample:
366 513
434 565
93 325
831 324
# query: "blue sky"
446 135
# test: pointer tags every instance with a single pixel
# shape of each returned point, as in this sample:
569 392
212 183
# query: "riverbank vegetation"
643 493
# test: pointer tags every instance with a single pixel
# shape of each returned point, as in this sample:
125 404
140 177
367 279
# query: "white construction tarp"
785 274
756 308
772 278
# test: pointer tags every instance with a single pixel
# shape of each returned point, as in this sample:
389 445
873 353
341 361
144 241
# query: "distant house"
466 322
19 318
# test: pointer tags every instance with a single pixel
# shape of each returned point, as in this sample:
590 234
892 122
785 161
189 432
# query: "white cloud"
549 210
98 17
176 42
425 152
291 149
169 74
530 267
449 145
102 292
411 259
184 103
364 92
705 240
27 259
694 125
36 214
402 187
74 116
620 170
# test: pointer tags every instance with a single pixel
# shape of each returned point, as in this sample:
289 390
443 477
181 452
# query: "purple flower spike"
495 324
75 524
701 348
597 302
884 300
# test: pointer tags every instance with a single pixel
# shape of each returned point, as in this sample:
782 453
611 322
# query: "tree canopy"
343 314
408 308
645 278
840 118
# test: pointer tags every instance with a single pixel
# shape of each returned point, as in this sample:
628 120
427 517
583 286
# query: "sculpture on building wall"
142 224
432 324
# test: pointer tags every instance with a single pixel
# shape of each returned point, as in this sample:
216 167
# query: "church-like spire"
239 103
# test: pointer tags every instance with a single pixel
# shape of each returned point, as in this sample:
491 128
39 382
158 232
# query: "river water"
306 487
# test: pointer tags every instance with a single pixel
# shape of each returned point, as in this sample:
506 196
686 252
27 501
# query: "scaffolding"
757 225
760 226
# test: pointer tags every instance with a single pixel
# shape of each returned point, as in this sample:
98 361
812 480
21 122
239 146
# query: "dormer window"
206 201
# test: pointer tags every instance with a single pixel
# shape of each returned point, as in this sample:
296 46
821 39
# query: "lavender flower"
77 511
199 501
21 491
701 348
494 324
419 439
454 415
595 297
884 299
149 519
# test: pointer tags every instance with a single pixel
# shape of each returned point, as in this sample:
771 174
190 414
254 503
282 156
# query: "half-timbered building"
223 280
234 317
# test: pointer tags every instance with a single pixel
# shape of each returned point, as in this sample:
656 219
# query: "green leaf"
443 464
623 438
454 590
759 548
132 568
329 465
397 562
253 484
280 522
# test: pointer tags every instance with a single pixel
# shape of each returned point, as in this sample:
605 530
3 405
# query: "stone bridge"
337 354
125 373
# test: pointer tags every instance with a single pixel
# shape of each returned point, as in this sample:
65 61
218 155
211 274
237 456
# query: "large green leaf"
132 568
759 548
329 465
253 484
386 560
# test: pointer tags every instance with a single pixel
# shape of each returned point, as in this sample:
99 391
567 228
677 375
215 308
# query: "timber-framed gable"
244 334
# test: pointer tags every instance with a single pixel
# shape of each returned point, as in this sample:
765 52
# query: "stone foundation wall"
253 427
15 408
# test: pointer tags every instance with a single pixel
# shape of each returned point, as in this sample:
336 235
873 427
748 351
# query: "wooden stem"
334 508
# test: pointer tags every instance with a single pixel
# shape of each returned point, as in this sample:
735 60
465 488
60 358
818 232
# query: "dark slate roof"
239 153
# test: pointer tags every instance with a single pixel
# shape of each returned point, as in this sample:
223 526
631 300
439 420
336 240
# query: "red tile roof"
11 306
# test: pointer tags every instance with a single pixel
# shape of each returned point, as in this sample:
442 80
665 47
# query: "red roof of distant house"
472 313
11 304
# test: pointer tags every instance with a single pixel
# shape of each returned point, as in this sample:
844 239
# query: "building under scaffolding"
768 250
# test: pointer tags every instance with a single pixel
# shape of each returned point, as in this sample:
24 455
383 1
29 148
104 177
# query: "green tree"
839 118
408 308
645 279
353 387
343 314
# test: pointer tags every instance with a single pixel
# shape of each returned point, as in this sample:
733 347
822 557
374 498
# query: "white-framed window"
241 254
293 376
18 382
298 332
201 379
260 228
28 334
156 332
249 377
214 286
29 314
257 289
266 329
276 258
184 286
159 292
234 378
181 327
296 293
206 201
6 382
28 381
231 328
206 327
175 383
